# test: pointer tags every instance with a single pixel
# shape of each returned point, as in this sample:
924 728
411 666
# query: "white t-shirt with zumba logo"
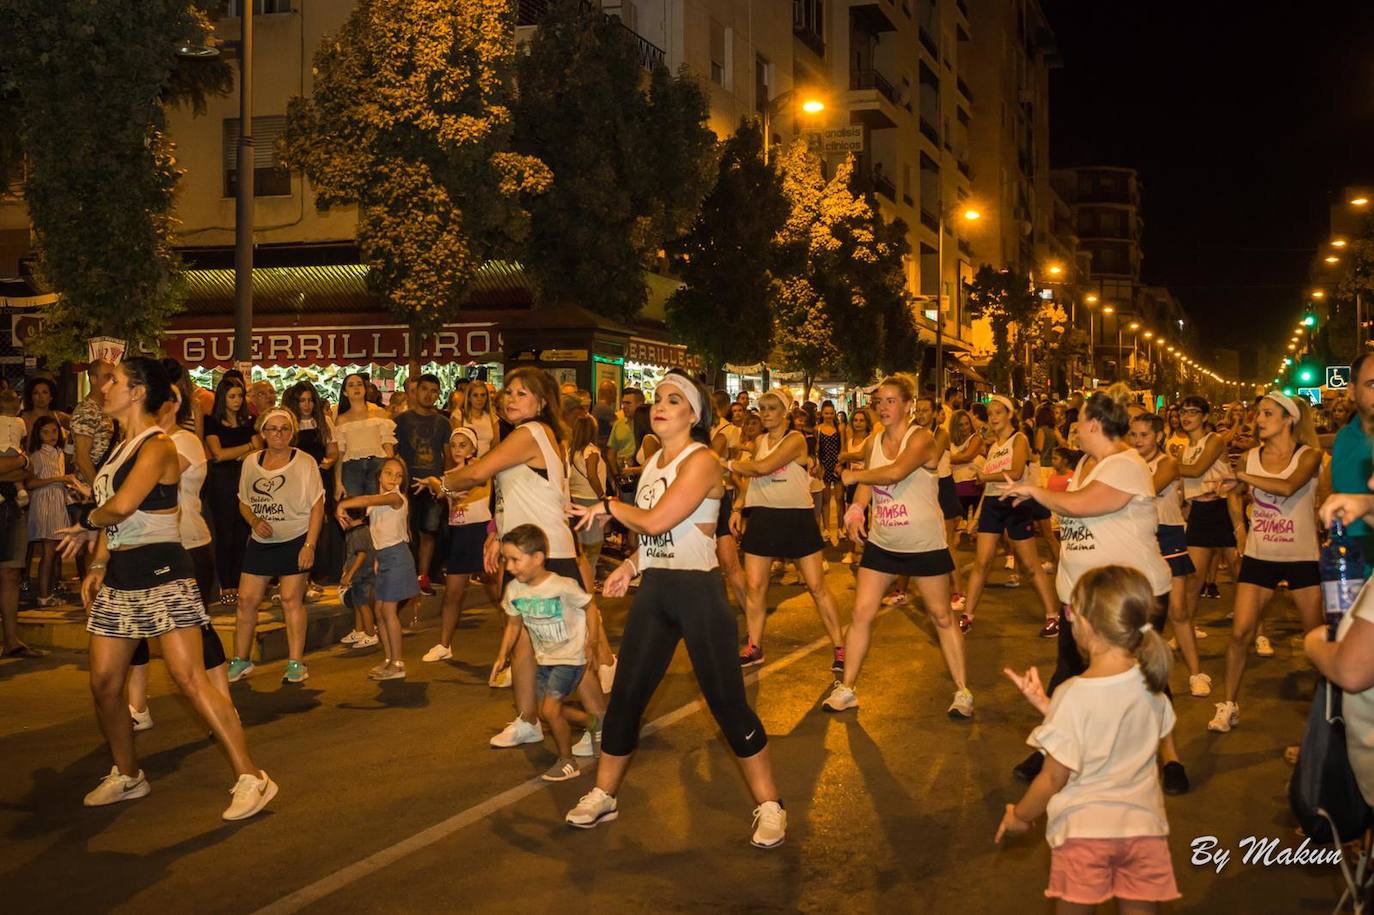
553 614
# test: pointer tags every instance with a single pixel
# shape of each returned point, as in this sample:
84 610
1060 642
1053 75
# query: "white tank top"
579 484
194 531
787 487
685 546
141 527
1168 504
523 496
945 468
999 461
1205 486
389 526
474 508
1282 528
906 514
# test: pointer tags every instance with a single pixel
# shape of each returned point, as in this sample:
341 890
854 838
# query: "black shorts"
781 533
274 560
930 564
465 542
1209 525
427 512
950 505
1173 546
211 649
999 516
1265 573
727 506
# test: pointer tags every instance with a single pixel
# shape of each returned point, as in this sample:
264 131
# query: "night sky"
1245 122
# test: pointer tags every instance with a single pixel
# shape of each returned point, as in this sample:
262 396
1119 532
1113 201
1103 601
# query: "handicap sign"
1338 376
1313 395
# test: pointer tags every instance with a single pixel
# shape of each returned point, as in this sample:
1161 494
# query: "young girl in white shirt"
1107 828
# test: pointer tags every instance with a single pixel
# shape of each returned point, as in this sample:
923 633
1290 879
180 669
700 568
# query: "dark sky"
1244 122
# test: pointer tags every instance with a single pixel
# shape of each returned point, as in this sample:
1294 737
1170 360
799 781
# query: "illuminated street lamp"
1359 201
1318 294
811 106
1332 259
969 214
1338 242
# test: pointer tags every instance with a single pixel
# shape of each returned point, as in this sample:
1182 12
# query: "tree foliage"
411 120
631 165
83 93
722 309
1006 300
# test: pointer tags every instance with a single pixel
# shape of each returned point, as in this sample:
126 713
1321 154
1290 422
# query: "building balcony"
872 79
930 220
876 16
883 185
873 100
929 42
962 6
530 12
964 168
964 90
929 131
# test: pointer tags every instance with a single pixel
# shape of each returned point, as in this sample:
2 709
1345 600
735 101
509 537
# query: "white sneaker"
503 679
115 787
366 641
770 825
596 806
1262 646
896 599
1013 581
351 638
606 674
438 653
962 706
587 745
1227 717
517 732
840 698
142 720
251 793
1200 685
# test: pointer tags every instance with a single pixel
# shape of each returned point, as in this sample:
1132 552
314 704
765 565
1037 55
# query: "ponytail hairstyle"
1108 410
720 402
1117 602
903 382
182 382
541 384
152 375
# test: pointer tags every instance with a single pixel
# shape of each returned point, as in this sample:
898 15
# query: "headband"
279 411
1286 402
688 390
783 395
467 433
1004 401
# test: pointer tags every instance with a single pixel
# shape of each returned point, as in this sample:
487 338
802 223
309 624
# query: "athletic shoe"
142 720
848 558
752 656
395 671
313 594
562 770
425 587
517 732
367 641
1210 591
1027 769
837 662
1262 646
587 745
115 787
238 669
1200 685
351 638
596 806
438 653
606 674
962 706
1050 629
251 793
896 599
957 602
376 672
1227 717
503 679
965 623
49 601
296 672
840 699
1175 778
770 825
1013 581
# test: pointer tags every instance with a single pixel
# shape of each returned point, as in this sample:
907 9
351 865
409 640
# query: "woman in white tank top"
1207 485
682 599
905 538
926 416
782 525
1282 543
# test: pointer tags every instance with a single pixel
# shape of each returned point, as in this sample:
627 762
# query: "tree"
722 309
83 94
630 166
411 120
1006 300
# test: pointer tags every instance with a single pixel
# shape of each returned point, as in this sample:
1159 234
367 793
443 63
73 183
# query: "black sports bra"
160 498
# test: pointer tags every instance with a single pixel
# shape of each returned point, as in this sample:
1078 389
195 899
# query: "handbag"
1322 791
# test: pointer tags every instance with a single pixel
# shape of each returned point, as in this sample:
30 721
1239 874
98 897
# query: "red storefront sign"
380 343
651 352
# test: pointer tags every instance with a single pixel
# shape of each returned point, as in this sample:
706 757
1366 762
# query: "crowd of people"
169 497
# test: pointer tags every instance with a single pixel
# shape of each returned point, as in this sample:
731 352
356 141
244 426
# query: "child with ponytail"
1106 827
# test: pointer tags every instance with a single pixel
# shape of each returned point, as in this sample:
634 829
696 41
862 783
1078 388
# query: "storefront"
647 361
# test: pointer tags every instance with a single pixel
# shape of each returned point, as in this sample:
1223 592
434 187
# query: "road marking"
341 878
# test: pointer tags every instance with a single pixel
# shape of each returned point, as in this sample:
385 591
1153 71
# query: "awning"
965 368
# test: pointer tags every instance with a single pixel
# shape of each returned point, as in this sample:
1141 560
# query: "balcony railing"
883 185
929 132
929 41
930 220
872 79
529 12
963 166
963 88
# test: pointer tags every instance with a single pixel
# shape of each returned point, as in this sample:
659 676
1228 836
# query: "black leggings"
229 529
675 605
1070 663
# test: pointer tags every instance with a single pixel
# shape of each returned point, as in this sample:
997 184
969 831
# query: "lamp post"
969 215
1135 341
1091 300
811 106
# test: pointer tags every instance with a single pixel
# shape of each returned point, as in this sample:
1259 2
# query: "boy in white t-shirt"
1107 828
12 434
551 608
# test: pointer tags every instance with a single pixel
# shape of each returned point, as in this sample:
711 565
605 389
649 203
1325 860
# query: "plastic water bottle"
1343 574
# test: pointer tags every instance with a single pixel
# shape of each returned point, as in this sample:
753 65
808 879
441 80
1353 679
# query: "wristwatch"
606 504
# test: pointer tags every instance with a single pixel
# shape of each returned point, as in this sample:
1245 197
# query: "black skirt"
930 564
781 533
274 560
1209 525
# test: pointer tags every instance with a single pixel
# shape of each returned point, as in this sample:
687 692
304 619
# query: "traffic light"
1288 392
1309 320
1306 375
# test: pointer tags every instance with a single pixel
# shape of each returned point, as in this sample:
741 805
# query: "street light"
812 106
1338 242
1359 201
1318 294
1331 259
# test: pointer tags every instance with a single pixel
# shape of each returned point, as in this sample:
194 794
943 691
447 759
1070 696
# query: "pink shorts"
1091 871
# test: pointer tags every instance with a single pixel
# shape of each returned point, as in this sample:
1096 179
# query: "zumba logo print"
886 512
543 618
1074 536
263 502
1268 518
658 546
266 486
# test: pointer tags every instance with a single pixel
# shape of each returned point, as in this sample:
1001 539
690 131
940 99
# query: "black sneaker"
752 656
837 663
1175 778
1210 591
1029 767
1051 629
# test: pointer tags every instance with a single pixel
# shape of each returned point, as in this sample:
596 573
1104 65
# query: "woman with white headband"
1282 543
782 524
1206 474
682 599
1008 459
281 496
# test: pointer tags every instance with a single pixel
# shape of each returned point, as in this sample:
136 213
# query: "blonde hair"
902 382
1118 603
1305 426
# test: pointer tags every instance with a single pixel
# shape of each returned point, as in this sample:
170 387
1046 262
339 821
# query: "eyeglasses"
277 430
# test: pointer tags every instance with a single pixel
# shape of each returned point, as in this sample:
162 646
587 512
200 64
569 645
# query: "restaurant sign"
650 352
381 343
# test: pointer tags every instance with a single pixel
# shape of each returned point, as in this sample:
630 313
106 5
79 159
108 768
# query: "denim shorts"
557 681
360 476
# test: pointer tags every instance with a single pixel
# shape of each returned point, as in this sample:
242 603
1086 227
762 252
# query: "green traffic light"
1305 376
1309 319
1288 392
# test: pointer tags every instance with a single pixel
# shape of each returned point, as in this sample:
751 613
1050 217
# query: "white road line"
341 878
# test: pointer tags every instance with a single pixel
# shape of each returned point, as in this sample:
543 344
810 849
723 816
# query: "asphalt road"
392 801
